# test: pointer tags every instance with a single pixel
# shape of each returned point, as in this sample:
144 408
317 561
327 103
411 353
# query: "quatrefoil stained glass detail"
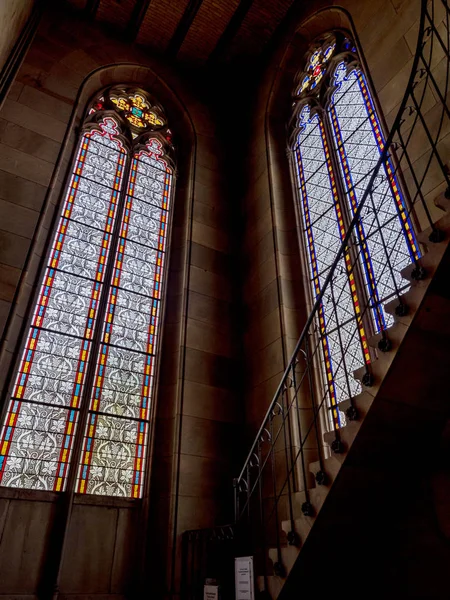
136 106
137 111
317 67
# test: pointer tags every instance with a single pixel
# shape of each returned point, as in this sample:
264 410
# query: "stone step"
362 402
274 585
302 527
330 466
303 523
410 298
442 201
442 225
346 435
394 334
429 262
288 557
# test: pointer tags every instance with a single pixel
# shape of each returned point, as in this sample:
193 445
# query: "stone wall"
196 413
13 16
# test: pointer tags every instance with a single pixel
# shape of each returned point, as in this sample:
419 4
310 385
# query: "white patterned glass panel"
43 411
323 233
115 443
359 141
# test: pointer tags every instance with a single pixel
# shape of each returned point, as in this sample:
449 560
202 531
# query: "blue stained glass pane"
322 229
359 140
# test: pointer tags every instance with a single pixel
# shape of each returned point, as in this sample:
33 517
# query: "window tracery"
89 358
336 141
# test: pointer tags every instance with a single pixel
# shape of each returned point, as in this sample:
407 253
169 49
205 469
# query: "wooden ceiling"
195 32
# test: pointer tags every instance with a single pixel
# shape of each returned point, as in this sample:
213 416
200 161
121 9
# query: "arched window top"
324 54
131 116
336 140
79 412
107 131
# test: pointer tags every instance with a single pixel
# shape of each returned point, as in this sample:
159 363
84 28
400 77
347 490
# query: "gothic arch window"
336 142
80 404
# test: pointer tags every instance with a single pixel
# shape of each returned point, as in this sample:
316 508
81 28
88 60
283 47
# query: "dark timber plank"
230 31
136 19
183 27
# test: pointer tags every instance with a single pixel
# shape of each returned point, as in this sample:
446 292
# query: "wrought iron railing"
274 483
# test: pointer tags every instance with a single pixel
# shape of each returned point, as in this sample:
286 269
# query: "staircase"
364 498
411 411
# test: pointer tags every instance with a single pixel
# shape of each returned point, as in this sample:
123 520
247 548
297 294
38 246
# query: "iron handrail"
380 164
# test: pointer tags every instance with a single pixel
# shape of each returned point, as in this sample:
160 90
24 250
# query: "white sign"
243 577
211 592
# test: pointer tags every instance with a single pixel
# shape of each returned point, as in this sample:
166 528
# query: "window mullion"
355 244
96 340
59 539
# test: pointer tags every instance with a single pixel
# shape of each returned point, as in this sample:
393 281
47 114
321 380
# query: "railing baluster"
306 506
278 566
262 529
416 181
288 452
431 141
320 476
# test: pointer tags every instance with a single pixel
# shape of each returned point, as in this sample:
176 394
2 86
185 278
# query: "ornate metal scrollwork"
265 436
254 461
277 410
243 485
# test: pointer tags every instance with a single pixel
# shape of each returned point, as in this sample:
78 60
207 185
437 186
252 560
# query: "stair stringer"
383 398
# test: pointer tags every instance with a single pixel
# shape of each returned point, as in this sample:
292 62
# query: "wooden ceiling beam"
183 27
230 31
293 14
137 18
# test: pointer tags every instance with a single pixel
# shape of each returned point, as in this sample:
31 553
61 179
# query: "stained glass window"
359 141
92 341
337 140
324 231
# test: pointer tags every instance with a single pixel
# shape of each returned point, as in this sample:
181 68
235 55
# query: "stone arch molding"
185 139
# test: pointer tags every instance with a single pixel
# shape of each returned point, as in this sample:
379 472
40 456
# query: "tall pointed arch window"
80 403
336 142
